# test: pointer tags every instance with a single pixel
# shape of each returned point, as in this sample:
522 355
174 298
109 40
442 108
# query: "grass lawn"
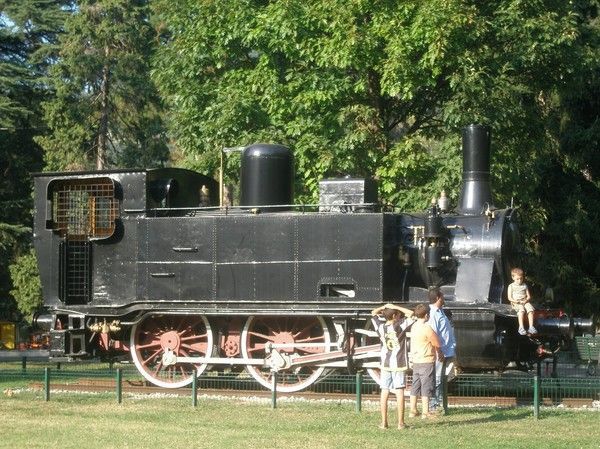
97 421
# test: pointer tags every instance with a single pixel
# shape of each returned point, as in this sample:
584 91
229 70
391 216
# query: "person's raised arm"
404 310
377 310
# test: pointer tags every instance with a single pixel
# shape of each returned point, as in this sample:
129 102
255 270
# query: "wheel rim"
366 340
258 331
184 336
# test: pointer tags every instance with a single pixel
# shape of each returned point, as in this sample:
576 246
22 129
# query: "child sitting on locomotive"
392 322
519 297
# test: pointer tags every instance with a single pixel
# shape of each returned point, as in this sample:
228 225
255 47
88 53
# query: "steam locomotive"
152 262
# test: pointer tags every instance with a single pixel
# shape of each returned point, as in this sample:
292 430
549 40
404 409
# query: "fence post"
195 388
47 384
119 385
359 379
536 397
24 364
274 391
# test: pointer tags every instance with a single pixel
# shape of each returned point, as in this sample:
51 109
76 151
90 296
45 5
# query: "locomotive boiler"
150 262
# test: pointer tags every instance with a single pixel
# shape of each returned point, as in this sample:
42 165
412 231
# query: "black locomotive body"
149 261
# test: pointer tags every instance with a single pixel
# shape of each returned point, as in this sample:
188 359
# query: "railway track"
109 385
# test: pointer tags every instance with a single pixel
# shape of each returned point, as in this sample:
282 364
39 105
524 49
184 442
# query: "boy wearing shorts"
519 297
392 323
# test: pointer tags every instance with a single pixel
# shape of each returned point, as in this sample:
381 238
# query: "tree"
28 30
27 286
569 245
367 87
105 111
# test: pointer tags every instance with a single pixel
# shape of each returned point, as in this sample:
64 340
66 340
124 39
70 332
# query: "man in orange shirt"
424 346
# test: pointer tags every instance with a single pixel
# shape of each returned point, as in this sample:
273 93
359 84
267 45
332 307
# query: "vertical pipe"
47 384
359 379
274 391
536 397
119 385
195 389
476 190
221 180
444 389
24 364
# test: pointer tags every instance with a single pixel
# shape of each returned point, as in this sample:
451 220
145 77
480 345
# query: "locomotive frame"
149 262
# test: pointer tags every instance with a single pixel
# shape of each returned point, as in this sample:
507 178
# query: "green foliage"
360 87
351 86
105 110
26 282
28 30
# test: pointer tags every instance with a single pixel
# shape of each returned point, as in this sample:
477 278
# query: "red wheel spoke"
257 347
310 339
158 367
197 347
263 336
194 337
149 345
151 357
304 330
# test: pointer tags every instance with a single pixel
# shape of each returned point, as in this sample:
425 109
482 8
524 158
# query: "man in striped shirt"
392 322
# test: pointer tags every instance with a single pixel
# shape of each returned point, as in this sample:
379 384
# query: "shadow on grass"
494 415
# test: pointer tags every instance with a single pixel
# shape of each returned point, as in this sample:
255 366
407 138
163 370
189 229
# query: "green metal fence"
494 390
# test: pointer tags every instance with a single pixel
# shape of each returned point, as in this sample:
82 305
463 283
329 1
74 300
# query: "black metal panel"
340 237
255 257
114 265
158 281
366 277
255 281
475 333
176 265
180 239
342 248
195 281
255 238
473 279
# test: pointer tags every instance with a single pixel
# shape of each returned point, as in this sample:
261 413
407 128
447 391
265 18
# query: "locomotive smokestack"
476 191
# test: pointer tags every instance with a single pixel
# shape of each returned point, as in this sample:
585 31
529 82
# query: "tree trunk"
103 129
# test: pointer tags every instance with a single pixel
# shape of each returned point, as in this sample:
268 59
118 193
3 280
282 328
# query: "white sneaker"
522 331
532 330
